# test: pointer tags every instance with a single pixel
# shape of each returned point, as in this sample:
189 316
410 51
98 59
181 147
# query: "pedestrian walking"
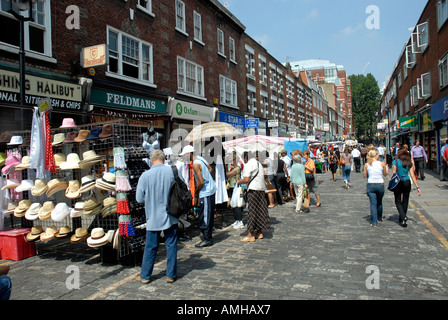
419 158
364 154
311 177
334 160
356 155
444 166
257 210
402 166
281 179
298 180
345 163
233 174
374 170
153 189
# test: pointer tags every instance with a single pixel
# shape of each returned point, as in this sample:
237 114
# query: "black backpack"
181 200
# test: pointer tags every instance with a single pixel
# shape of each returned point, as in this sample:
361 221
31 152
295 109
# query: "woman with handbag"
402 165
374 170
310 176
333 160
257 214
233 174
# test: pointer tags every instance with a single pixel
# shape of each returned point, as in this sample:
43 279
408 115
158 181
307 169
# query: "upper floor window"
180 16
145 6
442 12
443 71
190 77
232 50
228 89
197 27
221 42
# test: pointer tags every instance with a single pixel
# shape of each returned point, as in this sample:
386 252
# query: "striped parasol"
213 129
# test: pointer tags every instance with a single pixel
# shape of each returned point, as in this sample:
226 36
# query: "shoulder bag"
246 190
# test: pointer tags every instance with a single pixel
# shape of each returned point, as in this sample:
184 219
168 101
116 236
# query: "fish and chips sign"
94 56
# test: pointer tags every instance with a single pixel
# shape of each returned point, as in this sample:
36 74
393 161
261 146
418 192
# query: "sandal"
248 239
259 236
317 206
271 207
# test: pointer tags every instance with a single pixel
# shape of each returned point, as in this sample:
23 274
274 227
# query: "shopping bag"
237 200
339 172
306 199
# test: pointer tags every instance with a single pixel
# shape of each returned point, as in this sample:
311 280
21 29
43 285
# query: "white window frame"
399 79
250 63
423 36
442 13
426 85
405 70
221 44
443 71
232 50
198 91
410 57
119 74
146 9
180 14
197 34
228 89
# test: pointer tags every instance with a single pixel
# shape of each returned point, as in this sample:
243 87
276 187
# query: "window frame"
221 43
147 9
443 63
233 100
441 23
197 20
199 91
183 28
423 77
232 53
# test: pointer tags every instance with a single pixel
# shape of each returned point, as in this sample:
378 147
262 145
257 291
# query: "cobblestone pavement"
324 254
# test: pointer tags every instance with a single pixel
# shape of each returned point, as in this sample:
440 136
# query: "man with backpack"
153 189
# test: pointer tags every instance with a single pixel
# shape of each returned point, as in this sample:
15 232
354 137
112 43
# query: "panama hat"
107 182
106 132
82 135
87 183
93 211
94 134
109 206
187 149
10 208
99 238
70 137
81 234
10 163
33 211
58 159
68 123
72 192
45 211
11 183
34 234
25 185
55 186
48 234
60 212
63 232
89 158
21 209
15 141
40 187
71 163
77 210
25 163
58 139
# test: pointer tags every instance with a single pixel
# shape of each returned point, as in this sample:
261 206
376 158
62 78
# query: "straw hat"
109 206
99 238
45 211
81 234
26 185
40 187
107 131
107 182
70 137
21 209
58 139
58 159
11 183
63 232
94 211
72 191
33 211
34 234
82 135
48 234
55 186
25 163
60 212
87 183
10 208
77 210
89 159
71 163
68 123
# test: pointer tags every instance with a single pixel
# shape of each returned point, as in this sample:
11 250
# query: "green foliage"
365 105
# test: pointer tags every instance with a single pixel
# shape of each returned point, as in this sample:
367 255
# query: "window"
405 71
221 42
426 85
410 57
197 27
263 70
129 57
228 90
422 36
145 6
443 71
190 77
232 50
414 96
251 102
442 12
37 33
250 63
180 16
399 79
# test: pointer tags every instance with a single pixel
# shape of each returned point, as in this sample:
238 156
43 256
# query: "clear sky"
332 30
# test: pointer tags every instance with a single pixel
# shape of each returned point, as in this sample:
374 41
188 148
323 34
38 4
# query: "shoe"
234 224
203 244
239 225
259 236
248 239
145 281
170 280
404 224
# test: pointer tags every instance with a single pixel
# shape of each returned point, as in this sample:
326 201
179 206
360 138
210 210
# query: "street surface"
329 253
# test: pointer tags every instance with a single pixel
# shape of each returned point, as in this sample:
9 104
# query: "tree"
365 104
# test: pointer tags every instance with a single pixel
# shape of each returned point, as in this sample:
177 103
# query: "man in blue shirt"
204 197
443 170
419 156
153 189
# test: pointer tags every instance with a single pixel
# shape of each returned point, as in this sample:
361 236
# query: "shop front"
439 116
427 137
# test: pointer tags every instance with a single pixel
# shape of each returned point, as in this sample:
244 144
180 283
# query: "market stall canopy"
254 143
209 130
351 142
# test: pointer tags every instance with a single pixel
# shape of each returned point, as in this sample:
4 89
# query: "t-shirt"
445 154
356 153
403 172
250 170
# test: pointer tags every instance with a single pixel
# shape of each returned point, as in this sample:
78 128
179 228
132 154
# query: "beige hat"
81 234
77 210
109 206
55 186
34 234
45 211
58 139
33 211
71 163
72 191
21 209
89 159
107 182
99 238
82 135
11 183
25 163
10 208
63 232
40 187
116 240
87 183
48 234
58 159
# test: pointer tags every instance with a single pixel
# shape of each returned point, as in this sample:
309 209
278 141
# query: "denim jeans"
5 287
346 170
375 192
151 248
207 217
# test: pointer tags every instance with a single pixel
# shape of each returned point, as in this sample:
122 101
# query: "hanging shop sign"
236 121
439 110
63 95
94 56
126 101
190 111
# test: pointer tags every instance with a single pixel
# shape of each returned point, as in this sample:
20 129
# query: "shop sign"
94 56
191 111
439 110
236 121
63 95
272 123
406 122
126 101
326 127
426 123
252 123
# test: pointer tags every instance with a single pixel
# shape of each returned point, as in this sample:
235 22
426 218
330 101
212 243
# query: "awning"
401 133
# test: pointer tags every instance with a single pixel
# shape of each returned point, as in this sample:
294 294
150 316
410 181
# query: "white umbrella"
253 144
213 129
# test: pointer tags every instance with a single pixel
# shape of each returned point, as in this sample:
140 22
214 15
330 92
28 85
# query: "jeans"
207 217
5 287
151 248
401 194
346 173
375 192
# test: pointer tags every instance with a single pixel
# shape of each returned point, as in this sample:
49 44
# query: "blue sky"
332 30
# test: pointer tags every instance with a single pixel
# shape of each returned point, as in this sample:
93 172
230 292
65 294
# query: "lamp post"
22 6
